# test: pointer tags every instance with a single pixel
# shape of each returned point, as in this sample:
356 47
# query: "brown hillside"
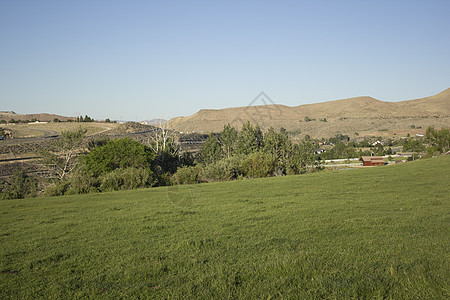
40 117
364 115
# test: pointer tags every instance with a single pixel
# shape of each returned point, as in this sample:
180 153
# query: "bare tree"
163 139
60 157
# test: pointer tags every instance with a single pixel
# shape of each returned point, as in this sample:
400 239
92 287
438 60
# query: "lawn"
375 233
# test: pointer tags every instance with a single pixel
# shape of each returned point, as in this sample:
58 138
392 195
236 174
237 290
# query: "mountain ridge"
436 108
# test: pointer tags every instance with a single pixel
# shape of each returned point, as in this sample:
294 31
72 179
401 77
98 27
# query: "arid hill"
8 115
353 116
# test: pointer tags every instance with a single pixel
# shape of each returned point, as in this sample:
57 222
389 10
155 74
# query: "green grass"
364 233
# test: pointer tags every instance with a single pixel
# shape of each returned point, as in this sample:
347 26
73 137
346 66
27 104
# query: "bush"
258 164
224 170
20 186
97 142
56 189
118 154
81 183
187 175
124 179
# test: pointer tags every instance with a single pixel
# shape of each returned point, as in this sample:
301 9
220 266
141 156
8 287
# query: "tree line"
248 153
78 165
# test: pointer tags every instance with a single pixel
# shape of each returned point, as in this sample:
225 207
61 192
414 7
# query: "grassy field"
375 233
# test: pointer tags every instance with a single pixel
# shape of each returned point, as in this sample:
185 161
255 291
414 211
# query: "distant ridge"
43 117
345 116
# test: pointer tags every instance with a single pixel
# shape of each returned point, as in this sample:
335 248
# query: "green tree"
250 139
413 145
211 150
279 146
120 153
228 140
340 150
302 159
438 139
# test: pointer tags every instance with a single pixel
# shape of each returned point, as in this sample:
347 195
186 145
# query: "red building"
370 161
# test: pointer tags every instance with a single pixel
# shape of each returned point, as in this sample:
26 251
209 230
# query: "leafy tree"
211 150
340 150
228 140
279 146
60 157
186 159
364 144
107 120
302 159
85 119
438 139
339 138
115 154
250 139
379 149
413 145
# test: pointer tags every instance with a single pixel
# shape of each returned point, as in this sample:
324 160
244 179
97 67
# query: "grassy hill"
364 115
366 233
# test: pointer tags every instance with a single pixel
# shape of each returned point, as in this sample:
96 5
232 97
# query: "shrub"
57 188
258 164
124 179
187 175
97 142
118 154
223 170
20 186
81 183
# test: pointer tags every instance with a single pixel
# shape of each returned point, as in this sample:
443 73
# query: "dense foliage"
249 153
76 164
118 154
20 186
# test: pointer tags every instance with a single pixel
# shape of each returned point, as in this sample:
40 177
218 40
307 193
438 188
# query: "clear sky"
137 60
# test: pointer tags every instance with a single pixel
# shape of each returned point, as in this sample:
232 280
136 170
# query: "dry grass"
48 129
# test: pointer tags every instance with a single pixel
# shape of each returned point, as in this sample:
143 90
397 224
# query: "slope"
368 233
364 114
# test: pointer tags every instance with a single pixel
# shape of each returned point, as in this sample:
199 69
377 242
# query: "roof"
372 158
378 161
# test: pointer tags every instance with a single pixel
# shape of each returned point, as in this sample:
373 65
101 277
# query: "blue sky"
136 60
